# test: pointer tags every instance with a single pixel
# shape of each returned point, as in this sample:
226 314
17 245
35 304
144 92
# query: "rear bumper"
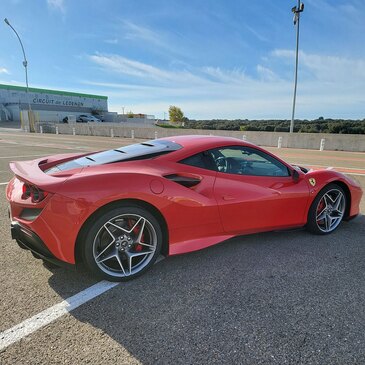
30 240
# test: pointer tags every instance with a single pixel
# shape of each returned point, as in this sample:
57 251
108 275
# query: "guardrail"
314 141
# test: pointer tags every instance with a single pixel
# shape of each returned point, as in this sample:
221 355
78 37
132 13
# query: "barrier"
341 142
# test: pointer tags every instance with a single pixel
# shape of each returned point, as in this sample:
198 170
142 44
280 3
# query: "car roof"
189 140
192 144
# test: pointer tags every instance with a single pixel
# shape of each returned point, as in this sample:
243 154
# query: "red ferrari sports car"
116 211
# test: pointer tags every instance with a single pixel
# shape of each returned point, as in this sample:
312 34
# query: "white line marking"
336 167
332 167
4 157
6 183
41 319
351 173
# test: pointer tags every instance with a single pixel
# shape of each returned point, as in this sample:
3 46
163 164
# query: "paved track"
273 298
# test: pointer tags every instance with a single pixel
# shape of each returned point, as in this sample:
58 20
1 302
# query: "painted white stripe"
351 173
5 157
332 167
41 319
336 167
6 183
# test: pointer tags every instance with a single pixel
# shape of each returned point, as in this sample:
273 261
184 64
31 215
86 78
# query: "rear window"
138 151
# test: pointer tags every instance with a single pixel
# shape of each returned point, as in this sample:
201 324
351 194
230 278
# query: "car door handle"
228 197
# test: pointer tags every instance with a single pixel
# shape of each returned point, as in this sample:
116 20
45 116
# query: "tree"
176 115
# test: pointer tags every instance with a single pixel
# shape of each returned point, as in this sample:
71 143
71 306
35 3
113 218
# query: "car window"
247 161
203 160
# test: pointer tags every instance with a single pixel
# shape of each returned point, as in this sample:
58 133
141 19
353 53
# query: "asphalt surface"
273 298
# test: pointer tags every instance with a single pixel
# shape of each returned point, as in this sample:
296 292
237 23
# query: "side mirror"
295 175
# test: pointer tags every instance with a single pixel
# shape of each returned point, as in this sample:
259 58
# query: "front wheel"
122 243
327 210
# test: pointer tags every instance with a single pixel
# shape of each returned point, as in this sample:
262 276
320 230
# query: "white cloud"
58 5
327 68
134 31
3 70
157 41
126 66
266 74
217 74
328 85
258 35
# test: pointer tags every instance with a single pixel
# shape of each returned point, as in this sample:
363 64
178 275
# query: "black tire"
50 265
327 210
130 233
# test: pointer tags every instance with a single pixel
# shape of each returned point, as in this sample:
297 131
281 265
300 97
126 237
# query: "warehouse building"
50 105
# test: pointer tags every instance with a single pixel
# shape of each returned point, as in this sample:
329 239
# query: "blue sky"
214 59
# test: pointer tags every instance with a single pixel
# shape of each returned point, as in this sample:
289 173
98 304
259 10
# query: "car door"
256 192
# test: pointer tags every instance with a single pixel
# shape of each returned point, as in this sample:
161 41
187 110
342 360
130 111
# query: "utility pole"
25 64
296 10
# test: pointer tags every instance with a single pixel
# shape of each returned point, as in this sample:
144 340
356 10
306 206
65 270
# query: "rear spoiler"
32 171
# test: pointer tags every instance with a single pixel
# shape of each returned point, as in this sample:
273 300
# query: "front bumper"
31 241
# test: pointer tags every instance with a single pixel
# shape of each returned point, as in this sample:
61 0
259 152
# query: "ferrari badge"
312 181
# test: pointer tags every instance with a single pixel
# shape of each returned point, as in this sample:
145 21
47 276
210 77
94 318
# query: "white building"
50 105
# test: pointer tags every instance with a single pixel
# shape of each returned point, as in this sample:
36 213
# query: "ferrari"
116 211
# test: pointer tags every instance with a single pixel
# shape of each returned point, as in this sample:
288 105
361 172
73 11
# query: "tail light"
33 192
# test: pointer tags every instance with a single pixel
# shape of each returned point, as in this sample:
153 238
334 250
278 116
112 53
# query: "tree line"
319 125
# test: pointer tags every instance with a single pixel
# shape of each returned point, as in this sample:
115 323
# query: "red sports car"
116 211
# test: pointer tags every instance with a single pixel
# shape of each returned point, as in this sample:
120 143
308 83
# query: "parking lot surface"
272 298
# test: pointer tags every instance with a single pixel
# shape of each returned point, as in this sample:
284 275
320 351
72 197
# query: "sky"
229 59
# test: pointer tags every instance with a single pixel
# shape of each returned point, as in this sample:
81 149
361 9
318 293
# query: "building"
50 105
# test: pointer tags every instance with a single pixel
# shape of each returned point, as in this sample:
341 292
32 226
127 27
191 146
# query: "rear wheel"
327 210
122 243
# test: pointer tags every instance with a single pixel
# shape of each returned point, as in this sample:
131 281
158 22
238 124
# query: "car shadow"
263 298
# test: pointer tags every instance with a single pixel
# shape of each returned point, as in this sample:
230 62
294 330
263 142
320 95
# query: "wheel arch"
118 203
347 191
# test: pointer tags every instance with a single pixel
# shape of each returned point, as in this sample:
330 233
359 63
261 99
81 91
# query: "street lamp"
25 64
296 10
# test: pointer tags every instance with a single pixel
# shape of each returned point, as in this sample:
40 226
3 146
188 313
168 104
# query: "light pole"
25 64
296 10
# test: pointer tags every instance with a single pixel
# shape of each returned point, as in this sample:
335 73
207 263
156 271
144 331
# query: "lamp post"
296 10
25 64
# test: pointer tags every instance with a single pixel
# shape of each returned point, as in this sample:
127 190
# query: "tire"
327 210
122 243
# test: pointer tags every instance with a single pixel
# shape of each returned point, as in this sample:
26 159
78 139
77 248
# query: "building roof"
47 91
